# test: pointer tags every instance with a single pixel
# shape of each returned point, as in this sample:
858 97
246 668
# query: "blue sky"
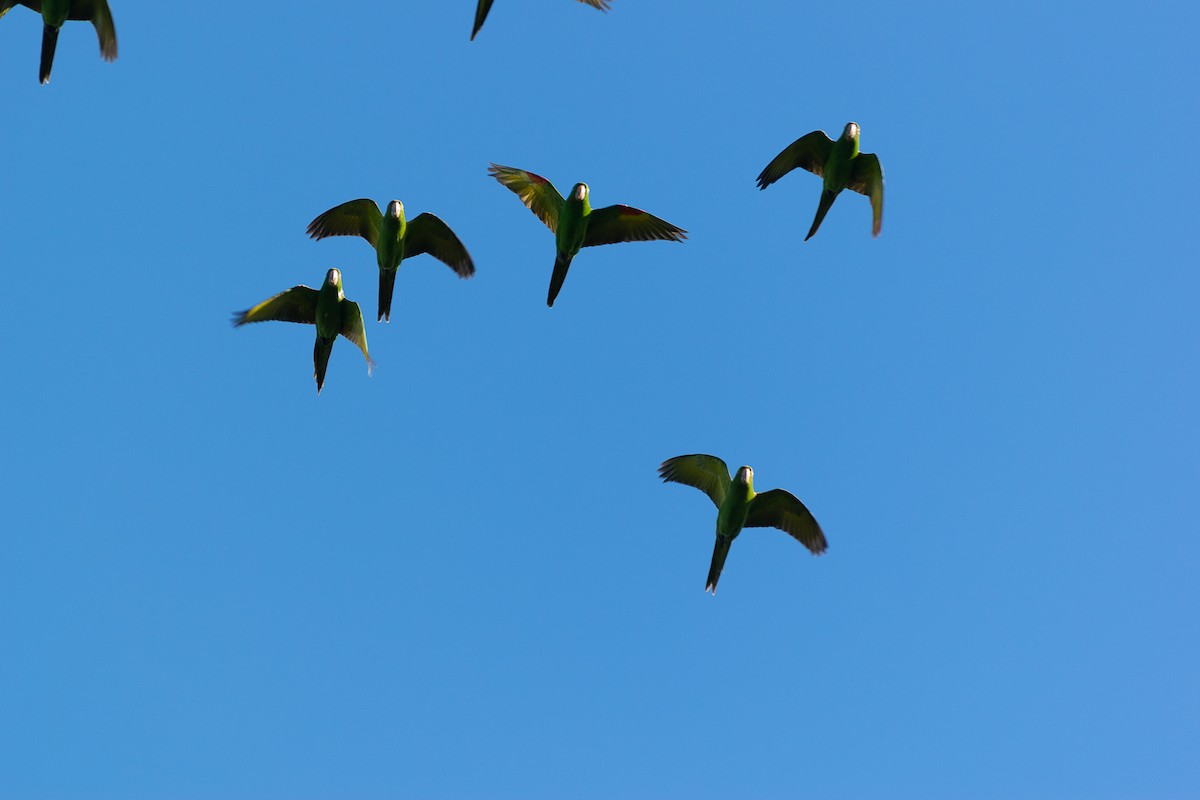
461 577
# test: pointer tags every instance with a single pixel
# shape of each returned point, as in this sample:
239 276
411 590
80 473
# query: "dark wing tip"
239 317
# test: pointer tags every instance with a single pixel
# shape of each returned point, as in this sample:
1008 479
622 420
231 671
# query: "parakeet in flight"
839 163
394 240
56 12
575 224
739 507
328 309
484 6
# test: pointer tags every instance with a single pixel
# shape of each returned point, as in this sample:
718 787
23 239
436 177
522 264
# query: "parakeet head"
745 475
580 192
395 209
333 277
851 131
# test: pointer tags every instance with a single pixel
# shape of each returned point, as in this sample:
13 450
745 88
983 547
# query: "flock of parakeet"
575 225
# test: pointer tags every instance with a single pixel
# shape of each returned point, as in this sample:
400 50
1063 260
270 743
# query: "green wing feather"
298 304
355 329
707 473
428 234
613 224
97 12
866 177
6 6
356 218
809 152
537 193
782 509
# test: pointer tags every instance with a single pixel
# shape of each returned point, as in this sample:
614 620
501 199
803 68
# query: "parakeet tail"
321 351
562 263
49 42
481 12
827 198
720 550
387 282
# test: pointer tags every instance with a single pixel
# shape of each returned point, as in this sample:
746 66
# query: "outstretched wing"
781 509
600 4
866 177
354 329
613 224
809 152
537 193
6 6
96 11
356 218
298 304
428 234
707 473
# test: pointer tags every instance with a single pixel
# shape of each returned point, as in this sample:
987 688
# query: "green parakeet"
575 224
394 240
738 506
839 163
56 12
484 6
328 309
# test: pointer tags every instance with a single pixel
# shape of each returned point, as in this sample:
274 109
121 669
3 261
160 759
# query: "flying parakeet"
394 240
484 6
56 12
575 224
739 507
839 163
328 309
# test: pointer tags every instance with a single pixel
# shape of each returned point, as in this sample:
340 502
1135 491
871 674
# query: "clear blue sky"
461 577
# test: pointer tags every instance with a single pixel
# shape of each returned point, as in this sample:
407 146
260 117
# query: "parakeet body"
394 239
484 6
326 308
840 164
57 12
739 506
575 224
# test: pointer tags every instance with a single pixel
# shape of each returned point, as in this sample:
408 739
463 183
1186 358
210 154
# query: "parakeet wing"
355 218
707 473
355 329
603 5
613 224
866 177
96 11
428 234
298 304
6 5
537 193
810 152
781 509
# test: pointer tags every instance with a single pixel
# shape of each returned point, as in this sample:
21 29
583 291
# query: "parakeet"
575 224
484 6
56 12
328 309
839 163
394 240
739 507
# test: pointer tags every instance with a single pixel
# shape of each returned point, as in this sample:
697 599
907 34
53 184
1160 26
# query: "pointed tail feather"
720 550
49 42
827 198
387 282
562 263
321 351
